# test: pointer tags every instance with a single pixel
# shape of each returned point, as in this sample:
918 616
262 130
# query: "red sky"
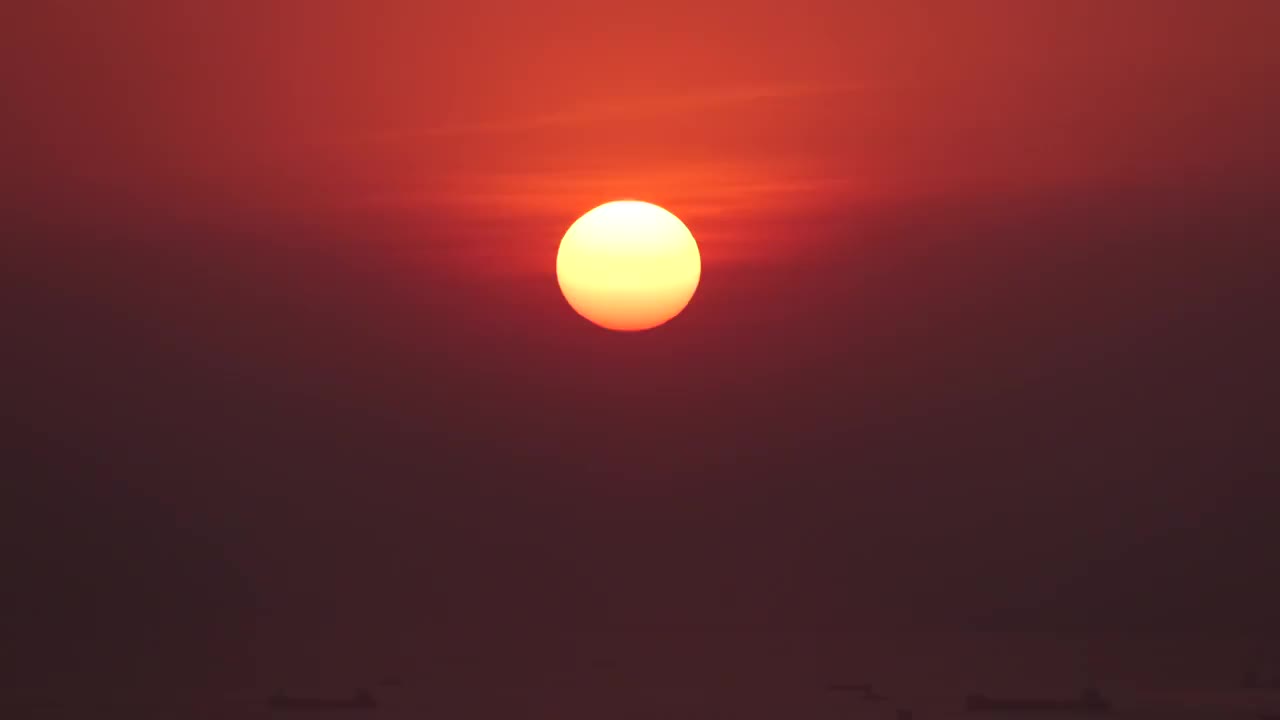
471 111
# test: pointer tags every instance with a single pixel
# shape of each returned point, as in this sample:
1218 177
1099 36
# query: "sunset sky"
986 332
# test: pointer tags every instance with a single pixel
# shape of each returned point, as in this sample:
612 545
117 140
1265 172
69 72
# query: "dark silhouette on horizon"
1090 701
868 693
362 700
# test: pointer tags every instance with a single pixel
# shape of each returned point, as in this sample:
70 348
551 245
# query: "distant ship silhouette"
362 700
868 693
1090 701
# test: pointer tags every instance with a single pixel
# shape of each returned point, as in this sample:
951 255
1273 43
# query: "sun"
628 265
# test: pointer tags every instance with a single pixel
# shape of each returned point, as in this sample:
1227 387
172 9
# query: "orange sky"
523 110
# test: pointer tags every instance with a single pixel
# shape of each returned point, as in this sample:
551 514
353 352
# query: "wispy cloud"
589 113
706 188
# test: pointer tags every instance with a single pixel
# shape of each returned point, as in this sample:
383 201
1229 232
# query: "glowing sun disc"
628 265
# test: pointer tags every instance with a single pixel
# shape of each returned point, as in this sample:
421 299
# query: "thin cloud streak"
712 188
590 113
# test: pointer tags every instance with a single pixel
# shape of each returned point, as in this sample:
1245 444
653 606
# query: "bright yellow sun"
628 265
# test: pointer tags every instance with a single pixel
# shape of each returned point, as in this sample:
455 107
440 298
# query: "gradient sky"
985 338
